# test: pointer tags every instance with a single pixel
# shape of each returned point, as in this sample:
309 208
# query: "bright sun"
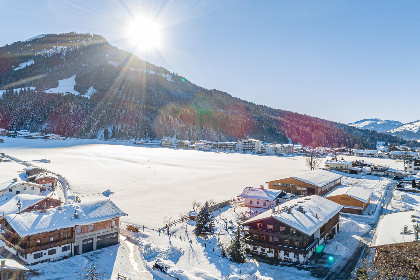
144 34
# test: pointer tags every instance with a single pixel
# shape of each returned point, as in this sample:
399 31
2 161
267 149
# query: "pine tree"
236 249
205 221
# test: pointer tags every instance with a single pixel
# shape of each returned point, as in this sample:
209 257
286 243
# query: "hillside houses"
61 232
313 182
263 198
292 230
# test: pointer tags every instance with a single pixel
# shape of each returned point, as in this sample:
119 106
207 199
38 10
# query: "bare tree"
312 161
90 272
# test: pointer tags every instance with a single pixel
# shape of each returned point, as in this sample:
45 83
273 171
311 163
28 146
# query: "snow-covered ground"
155 184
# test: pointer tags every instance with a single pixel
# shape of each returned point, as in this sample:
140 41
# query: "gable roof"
27 200
316 212
355 192
11 183
12 265
260 193
94 211
318 177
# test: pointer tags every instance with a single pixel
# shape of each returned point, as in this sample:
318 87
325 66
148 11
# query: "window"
65 248
282 229
91 227
51 252
265 203
38 242
262 237
37 255
113 223
296 243
65 235
292 230
258 202
78 230
32 188
10 190
250 202
270 227
286 242
255 248
255 236
276 184
24 188
270 239
259 226
276 239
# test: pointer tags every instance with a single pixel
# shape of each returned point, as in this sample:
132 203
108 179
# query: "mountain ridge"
136 99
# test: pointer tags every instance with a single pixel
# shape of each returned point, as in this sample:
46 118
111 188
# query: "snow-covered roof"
339 162
45 175
94 211
12 183
390 229
10 205
318 177
356 192
260 193
316 211
12 265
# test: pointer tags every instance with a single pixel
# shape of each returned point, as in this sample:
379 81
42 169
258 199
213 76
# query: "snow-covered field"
152 183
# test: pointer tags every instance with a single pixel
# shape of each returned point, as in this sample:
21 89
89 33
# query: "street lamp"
19 205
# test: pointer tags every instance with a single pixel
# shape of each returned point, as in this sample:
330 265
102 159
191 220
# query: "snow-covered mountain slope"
377 124
410 131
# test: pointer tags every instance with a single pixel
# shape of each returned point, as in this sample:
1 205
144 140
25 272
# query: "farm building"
354 199
317 182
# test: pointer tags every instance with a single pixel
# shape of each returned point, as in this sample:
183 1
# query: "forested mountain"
78 85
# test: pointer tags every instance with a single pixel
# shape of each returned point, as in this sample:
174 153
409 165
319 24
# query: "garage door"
87 245
107 240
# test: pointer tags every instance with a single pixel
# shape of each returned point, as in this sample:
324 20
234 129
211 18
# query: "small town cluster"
39 222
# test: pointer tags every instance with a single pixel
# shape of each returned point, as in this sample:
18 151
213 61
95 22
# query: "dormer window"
292 230
270 228
259 226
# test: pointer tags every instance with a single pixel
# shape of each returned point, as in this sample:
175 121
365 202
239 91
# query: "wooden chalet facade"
62 232
354 199
12 270
315 182
292 231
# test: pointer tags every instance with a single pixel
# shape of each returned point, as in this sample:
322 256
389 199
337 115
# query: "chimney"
300 209
289 210
405 229
3 263
76 215
14 179
262 187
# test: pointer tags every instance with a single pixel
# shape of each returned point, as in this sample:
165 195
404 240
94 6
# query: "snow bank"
24 64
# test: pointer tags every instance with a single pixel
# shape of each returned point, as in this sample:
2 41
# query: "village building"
339 165
292 231
365 153
404 155
61 232
413 167
52 136
249 145
15 187
317 182
12 270
30 171
226 146
355 199
46 179
26 203
263 198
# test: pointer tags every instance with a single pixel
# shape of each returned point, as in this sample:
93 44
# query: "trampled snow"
24 64
65 86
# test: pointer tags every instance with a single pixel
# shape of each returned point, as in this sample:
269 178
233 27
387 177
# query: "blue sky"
338 60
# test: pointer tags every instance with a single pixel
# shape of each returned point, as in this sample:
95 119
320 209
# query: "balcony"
24 247
275 234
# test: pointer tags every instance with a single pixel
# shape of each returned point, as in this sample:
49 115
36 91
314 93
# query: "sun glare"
144 34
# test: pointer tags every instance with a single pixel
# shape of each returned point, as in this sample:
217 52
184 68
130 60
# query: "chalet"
52 136
4 132
12 270
30 171
46 179
27 203
365 153
61 232
413 167
249 145
379 170
404 155
16 187
339 165
292 231
317 182
355 199
23 133
261 197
